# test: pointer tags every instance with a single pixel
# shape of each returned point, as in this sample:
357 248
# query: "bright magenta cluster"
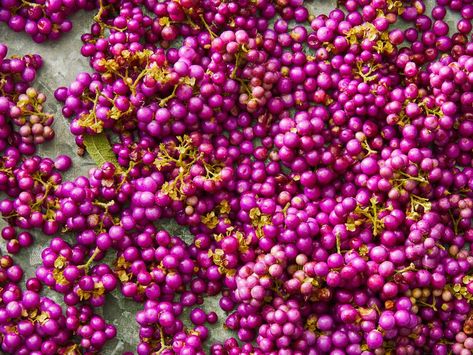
323 165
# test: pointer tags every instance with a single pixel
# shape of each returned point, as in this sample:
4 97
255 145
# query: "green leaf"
99 148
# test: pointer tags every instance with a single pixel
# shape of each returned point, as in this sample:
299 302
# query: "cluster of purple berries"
323 165
42 19
23 124
33 324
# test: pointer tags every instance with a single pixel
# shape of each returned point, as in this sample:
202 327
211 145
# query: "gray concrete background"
62 62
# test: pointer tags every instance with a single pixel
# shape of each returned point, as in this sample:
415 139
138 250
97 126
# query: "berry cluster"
322 164
40 19
23 124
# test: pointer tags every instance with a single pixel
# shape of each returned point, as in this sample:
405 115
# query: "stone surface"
62 62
